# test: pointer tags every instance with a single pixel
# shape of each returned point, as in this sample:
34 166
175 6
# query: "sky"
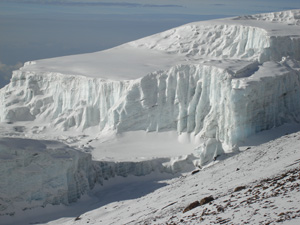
38 29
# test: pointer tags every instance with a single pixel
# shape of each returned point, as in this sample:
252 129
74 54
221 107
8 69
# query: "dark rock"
291 179
239 188
77 218
257 186
216 157
220 208
195 171
191 206
206 200
223 221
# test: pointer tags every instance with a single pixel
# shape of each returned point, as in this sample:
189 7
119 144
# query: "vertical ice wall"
36 173
65 101
202 99
210 102
269 98
181 98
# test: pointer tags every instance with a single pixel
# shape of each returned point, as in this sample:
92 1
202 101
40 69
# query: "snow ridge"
213 41
290 17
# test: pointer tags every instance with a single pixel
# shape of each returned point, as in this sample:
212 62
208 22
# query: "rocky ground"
258 203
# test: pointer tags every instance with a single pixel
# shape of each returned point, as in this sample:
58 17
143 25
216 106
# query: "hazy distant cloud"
219 4
6 70
122 4
91 3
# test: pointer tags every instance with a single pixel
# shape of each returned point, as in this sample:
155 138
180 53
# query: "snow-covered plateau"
156 107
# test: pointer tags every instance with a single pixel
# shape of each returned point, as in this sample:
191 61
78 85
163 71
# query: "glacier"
215 82
201 95
35 173
40 173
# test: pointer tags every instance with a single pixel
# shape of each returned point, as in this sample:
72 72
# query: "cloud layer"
96 3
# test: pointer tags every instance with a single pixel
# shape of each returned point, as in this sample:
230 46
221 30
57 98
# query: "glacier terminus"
199 90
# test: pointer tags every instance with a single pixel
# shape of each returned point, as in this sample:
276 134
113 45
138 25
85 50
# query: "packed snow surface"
162 104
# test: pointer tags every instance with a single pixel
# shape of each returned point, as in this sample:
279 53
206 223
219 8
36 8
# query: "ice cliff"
219 81
227 79
35 173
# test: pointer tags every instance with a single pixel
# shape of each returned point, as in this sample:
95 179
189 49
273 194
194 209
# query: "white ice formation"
220 80
41 172
223 79
35 173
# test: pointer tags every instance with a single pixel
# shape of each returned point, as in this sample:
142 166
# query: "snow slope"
248 168
163 104
269 173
